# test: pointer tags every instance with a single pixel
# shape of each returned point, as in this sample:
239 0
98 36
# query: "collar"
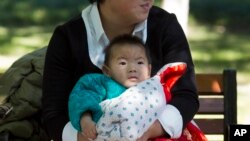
141 30
96 22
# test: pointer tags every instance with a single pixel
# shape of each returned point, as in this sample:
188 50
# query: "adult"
76 48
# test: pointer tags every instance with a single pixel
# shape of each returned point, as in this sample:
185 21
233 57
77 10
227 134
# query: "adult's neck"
114 25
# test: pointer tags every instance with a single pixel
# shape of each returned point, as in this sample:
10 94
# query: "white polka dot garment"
128 116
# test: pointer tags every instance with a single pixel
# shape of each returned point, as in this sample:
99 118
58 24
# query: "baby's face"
129 65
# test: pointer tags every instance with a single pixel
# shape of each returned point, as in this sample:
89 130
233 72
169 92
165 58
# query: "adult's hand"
155 130
81 137
88 126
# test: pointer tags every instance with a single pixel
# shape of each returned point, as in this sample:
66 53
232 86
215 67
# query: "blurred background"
218 32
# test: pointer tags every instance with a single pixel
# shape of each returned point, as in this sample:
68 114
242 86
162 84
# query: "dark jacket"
21 92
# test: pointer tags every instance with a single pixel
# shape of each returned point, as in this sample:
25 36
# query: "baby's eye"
140 62
122 63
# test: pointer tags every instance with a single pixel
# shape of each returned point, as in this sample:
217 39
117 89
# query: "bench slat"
215 125
209 83
211 106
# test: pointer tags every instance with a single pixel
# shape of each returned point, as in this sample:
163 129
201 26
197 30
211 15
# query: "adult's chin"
141 17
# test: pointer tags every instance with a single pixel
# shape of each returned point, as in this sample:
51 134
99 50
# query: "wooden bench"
218 102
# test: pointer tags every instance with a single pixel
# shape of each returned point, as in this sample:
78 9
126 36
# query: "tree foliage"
233 14
39 12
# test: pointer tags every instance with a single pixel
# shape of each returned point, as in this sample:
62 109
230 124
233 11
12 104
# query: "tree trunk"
180 8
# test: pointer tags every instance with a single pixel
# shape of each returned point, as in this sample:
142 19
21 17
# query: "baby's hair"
98 1
125 39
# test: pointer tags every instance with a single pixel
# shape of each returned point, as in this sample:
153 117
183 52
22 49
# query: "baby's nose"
132 70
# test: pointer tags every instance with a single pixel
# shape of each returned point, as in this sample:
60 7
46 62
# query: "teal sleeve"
86 95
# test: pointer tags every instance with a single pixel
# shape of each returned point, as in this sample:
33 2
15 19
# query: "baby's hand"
88 128
155 130
144 137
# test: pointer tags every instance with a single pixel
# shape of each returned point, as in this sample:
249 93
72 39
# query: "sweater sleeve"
86 96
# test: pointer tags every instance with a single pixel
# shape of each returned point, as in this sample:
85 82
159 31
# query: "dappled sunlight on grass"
16 42
31 41
3 31
221 55
213 50
19 41
199 32
229 55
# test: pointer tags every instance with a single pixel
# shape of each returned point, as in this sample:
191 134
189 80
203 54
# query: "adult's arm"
57 84
66 61
168 43
184 104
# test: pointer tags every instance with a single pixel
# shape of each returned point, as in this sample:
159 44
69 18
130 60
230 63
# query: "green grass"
215 49
20 40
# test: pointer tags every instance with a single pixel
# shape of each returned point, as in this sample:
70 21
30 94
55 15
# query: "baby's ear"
105 70
149 69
